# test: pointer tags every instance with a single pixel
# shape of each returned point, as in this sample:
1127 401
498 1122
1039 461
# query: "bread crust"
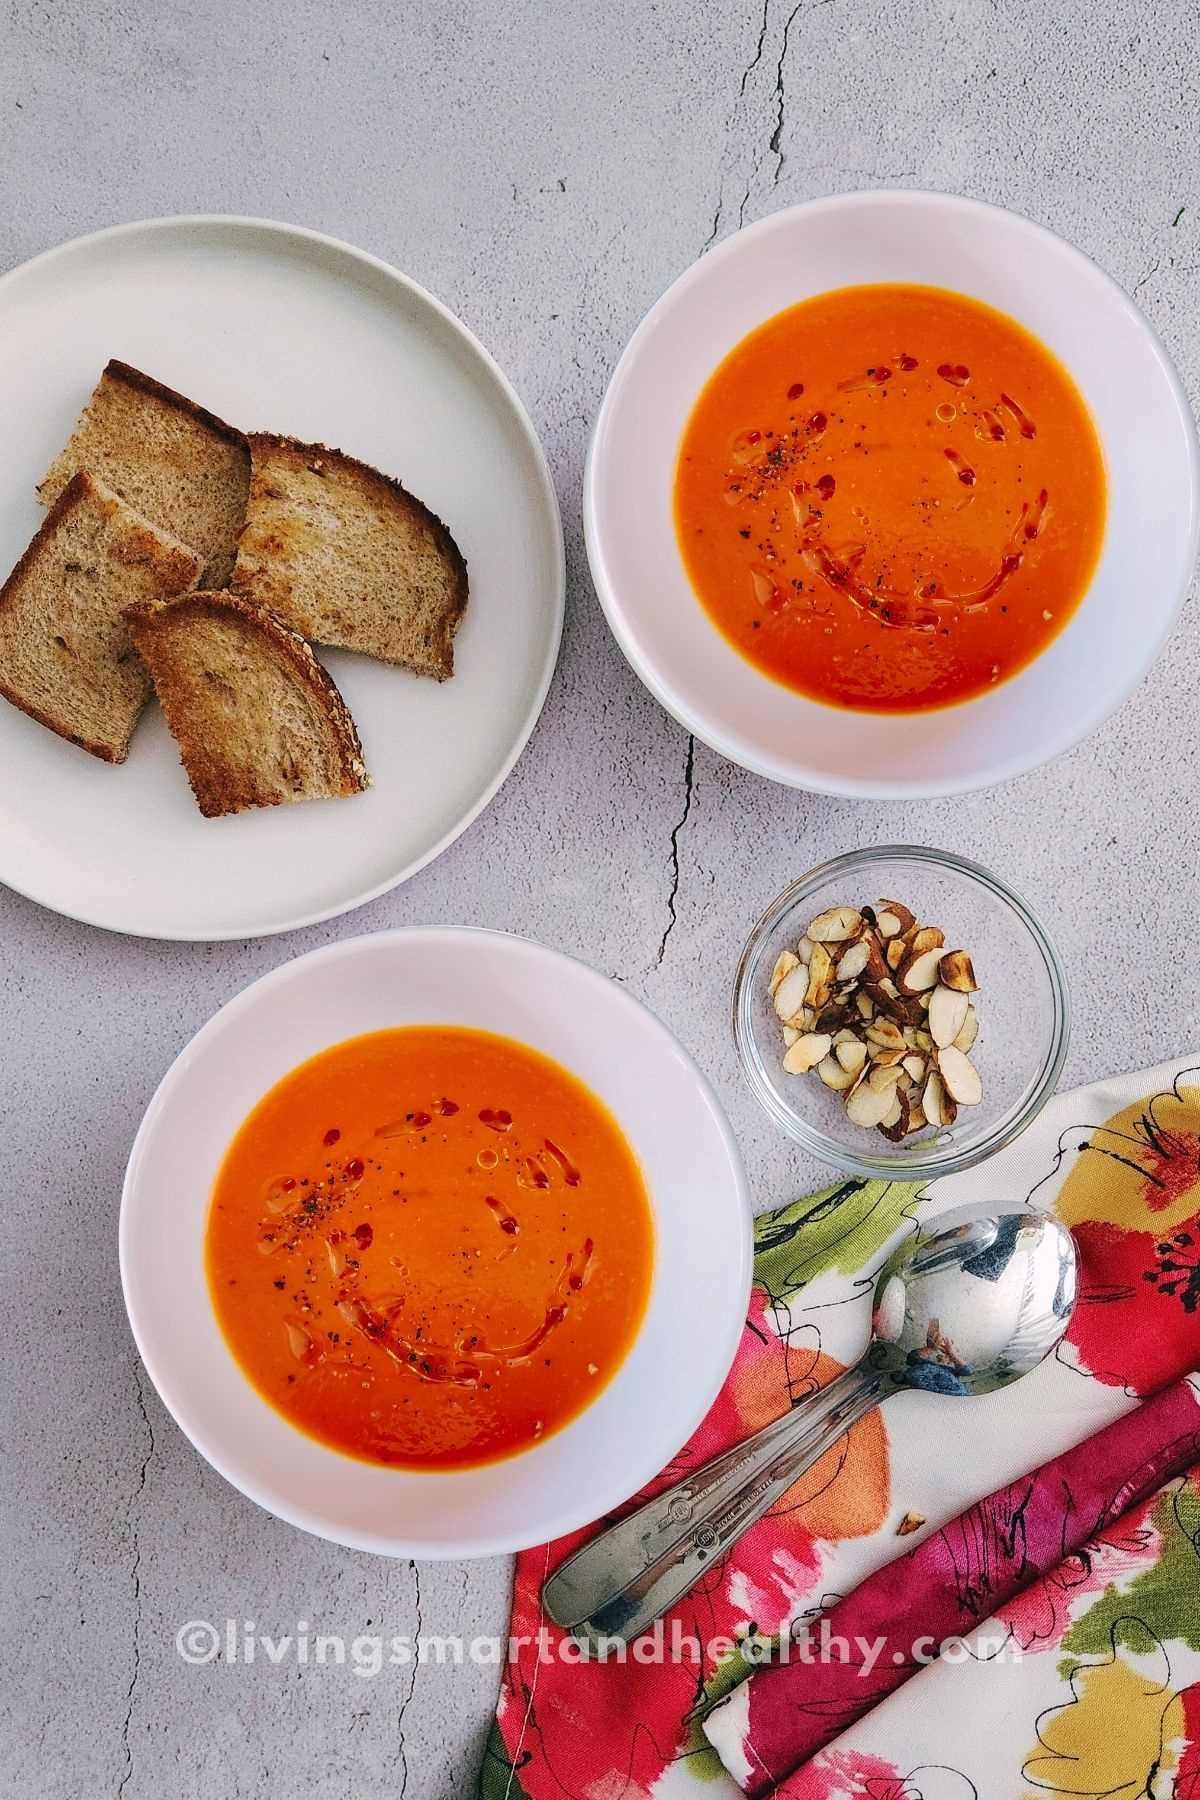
158 390
82 487
394 494
145 621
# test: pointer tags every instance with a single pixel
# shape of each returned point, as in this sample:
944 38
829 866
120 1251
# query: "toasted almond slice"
903 917
864 1006
923 1041
914 1066
947 1011
960 1076
936 1103
886 1033
820 977
790 1034
844 1035
919 970
804 950
807 1052
926 937
789 995
835 925
895 953
834 1075
853 960
785 962
867 1106
965 1041
881 1078
887 924
888 988
957 971
916 1118
851 1053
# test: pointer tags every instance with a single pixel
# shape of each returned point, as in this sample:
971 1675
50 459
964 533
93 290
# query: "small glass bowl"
1024 1014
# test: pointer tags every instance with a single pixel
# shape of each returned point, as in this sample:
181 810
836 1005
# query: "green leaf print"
841 1228
1165 1596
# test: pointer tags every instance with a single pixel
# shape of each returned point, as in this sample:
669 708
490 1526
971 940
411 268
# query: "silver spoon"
973 1301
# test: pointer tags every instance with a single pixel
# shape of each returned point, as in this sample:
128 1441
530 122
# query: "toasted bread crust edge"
77 489
396 491
158 390
296 650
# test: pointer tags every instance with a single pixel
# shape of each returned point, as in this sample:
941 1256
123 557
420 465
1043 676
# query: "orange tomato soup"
429 1247
890 498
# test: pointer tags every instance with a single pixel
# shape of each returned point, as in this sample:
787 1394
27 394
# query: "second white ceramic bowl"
1135 398
674 1123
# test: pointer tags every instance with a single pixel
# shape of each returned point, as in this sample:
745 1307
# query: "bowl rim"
895 1166
591 1501
788 772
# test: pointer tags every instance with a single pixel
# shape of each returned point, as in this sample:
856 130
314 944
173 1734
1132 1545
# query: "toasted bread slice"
257 719
65 653
347 557
181 466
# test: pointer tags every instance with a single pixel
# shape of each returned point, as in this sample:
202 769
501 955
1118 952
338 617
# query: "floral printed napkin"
1120 1163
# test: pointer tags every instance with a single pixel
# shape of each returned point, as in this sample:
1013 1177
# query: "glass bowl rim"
896 1166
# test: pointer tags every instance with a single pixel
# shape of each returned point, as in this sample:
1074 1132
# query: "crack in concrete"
1151 272
412 1687
689 770
136 1578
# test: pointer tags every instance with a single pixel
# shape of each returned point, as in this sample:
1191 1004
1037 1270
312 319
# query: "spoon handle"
624 1579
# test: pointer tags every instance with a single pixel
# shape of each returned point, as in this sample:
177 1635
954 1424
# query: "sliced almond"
807 1052
922 1039
851 1053
804 950
836 925
904 918
785 962
886 1033
957 971
790 1034
926 937
896 1123
895 953
916 1118
914 1066
965 1040
947 1013
834 1075
919 971
887 924
845 1036
892 1122
884 1079
936 1103
853 960
865 1006
789 995
820 977
868 1106
960 1076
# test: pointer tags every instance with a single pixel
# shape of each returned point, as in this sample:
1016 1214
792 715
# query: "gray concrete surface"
546 168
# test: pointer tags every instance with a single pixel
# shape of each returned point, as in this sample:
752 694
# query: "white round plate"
673 1122
280 329
1135 398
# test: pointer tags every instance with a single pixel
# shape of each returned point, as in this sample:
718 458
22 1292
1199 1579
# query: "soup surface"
890 498
430 1246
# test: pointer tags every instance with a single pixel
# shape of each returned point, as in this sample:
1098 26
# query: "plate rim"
280 228
569 1516
1021 762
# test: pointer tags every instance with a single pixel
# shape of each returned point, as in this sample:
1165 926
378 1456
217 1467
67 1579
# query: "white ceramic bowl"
674 1123
1150 450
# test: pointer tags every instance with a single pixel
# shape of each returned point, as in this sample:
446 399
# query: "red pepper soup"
890 498
429 1247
